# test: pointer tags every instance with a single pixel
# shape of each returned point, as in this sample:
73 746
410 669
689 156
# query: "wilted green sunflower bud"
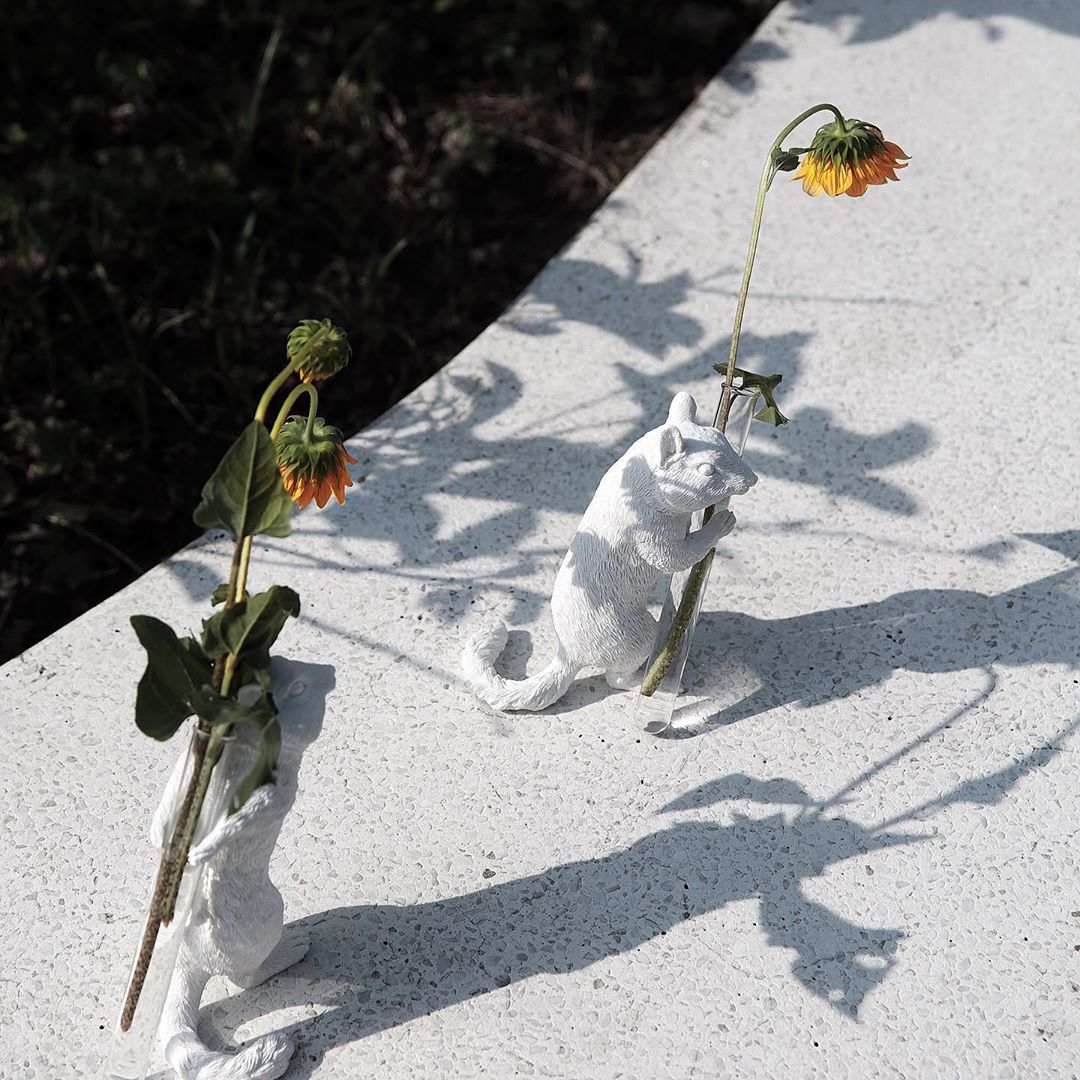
318 349
312 468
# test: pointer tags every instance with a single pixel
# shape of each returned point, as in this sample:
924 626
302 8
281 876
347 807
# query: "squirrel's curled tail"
264 1059
529 695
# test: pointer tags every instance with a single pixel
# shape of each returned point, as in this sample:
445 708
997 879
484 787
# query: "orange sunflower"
313 467
846 157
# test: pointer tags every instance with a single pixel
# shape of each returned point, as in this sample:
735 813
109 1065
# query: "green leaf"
221 594
247 673
265 768
765 385
771 415
175 670
250 627
245 495
252 703
784 160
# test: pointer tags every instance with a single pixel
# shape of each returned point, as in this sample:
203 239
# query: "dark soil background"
183 181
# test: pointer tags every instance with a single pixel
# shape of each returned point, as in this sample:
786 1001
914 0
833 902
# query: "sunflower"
318 348
313 467
846 157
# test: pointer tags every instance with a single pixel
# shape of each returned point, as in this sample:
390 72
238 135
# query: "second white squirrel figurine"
235 928
635 528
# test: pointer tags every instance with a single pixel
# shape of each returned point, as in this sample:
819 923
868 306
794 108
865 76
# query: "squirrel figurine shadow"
635 528
235 928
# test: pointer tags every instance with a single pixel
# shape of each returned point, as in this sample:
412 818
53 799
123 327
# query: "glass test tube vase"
135 1033
654 711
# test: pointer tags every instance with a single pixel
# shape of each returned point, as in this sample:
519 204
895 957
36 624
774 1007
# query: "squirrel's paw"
232 826
160 827
722 522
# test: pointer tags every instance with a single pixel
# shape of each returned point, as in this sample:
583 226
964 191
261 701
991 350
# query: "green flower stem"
230 670
231 597
276 383
312 413
242 552
294 395
245 565
723 409
680 624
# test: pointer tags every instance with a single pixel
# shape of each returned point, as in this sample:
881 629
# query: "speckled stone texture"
859 858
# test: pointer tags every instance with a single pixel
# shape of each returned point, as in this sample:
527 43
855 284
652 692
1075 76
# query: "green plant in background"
222 677
846 157
175 190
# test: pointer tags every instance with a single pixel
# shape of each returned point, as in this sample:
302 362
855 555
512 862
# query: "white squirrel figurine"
236 921
635 528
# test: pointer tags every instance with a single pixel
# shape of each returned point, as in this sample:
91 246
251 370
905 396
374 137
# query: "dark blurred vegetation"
181 182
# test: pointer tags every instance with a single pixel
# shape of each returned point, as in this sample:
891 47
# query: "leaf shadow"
373 967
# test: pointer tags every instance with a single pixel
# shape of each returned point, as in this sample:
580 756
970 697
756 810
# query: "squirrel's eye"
706 469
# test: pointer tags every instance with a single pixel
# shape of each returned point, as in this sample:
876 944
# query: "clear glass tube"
129 1052
654 712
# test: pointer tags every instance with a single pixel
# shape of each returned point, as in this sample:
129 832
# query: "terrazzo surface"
857 857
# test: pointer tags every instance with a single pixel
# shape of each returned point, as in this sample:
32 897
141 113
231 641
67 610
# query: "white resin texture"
235 929
635 528
860 858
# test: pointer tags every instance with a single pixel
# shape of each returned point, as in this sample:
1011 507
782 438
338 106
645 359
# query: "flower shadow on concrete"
828 655
375 966
378 966
875 22
399 520
642 313
464 438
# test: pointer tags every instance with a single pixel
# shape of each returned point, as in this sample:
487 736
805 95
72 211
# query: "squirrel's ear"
671 444
683 407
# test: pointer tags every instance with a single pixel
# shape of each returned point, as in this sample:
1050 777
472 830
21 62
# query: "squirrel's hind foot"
266 1058
291 949
270 1056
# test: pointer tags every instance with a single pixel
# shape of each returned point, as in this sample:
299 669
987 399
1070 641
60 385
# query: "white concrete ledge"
861 858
